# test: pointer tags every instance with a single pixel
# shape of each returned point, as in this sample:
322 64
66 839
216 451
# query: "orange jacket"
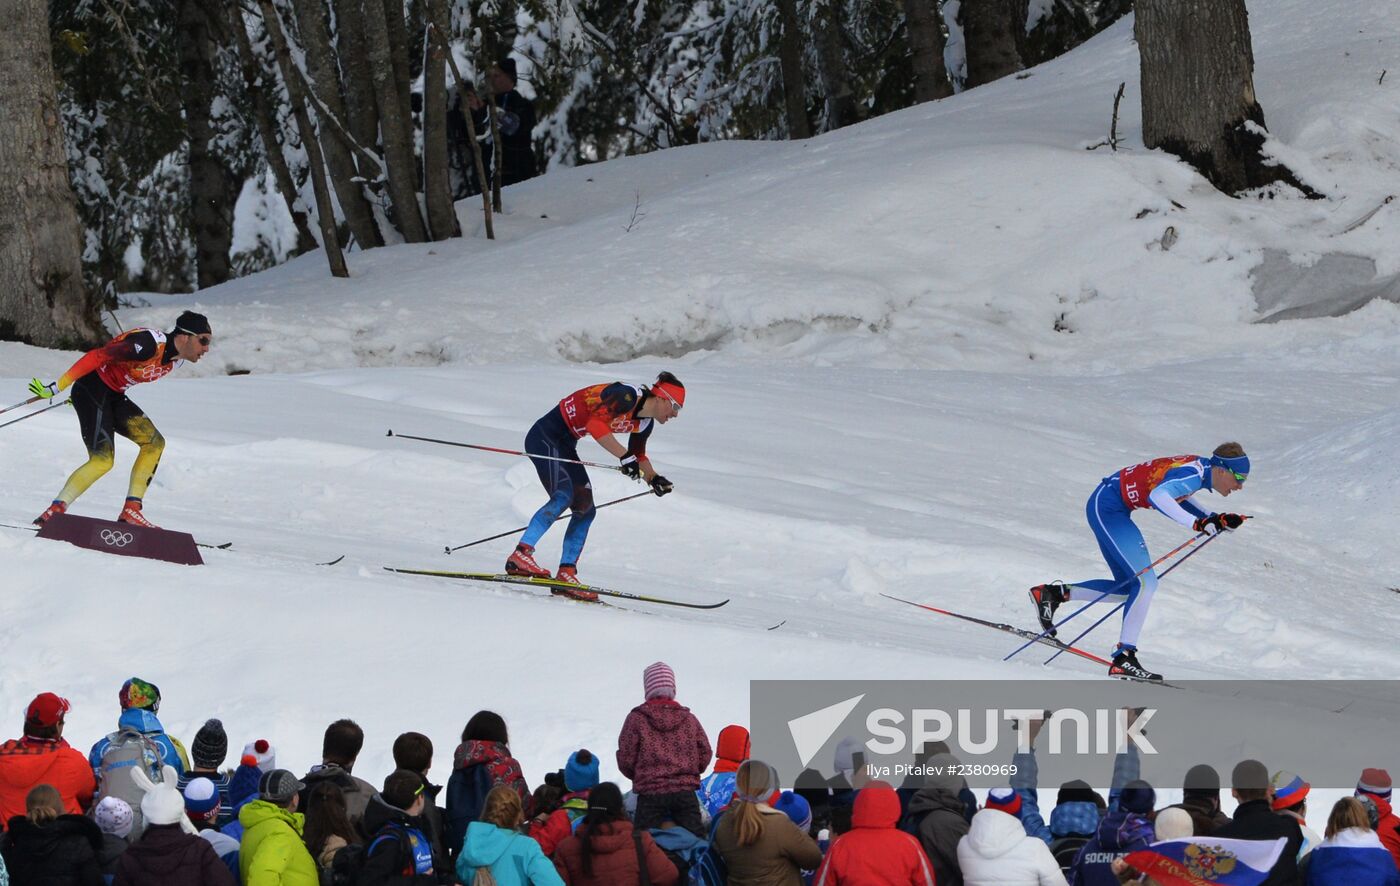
27 762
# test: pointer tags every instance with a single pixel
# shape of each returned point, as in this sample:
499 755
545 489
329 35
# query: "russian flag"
1204 861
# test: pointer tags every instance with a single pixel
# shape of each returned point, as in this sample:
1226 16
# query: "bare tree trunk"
794 80
398 51
993 31
831 65
42 297
926 50
362 117
398 140
211 206
440 37
325 213
1197 67
267 129
325 85
437 188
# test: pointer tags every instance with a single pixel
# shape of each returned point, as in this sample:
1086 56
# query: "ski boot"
1125 664
132 514
1047 598
569 573
522 562
53 510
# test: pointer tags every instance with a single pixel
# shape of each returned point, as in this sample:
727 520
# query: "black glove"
660 485
631 467
1217 523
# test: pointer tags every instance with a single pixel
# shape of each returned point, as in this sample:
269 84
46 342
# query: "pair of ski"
551 585
1030 635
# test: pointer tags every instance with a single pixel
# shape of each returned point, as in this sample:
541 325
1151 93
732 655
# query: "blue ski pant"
1126 554
567 484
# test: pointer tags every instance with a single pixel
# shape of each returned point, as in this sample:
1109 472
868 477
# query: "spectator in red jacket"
1375 784
41 756
606 850
580 778
873 852
663 749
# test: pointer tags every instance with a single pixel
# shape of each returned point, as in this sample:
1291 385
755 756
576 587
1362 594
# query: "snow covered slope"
912 349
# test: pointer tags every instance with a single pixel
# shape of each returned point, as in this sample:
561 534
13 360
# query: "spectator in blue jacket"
140 701
1126 828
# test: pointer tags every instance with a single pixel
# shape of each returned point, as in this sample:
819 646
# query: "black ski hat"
192 324
508 66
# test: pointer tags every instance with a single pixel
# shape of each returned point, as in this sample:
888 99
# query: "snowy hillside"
912 348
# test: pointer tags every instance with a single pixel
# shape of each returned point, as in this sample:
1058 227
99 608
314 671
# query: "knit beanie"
1004 800
1249 775
1173 823
1289 789
137 693
210 746
581 772
844 759
113 816
1138 797
1202 777
260 754
659 681
795 807
1076 791
201 799
1375 782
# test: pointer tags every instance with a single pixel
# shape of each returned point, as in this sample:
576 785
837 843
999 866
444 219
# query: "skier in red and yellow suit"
100 380
600 411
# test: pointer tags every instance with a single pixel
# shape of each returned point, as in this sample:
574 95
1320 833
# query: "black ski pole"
616 501
34 413
572 461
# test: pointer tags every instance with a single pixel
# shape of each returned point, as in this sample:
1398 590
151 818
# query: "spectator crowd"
142 808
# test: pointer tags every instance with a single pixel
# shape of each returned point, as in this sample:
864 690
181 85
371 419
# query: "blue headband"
1238 464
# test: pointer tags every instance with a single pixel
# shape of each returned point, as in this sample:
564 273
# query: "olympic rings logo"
112 538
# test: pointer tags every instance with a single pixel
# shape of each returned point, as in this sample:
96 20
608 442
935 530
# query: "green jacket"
272 852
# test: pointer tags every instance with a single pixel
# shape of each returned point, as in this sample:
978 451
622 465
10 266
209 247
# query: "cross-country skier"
601 411
100 380
1167 485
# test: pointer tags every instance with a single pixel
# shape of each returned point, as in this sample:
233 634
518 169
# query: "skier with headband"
600 411
1165 485
100 380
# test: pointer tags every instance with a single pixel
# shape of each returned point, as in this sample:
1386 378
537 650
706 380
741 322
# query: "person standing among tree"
1165 485
601 411
100 380
515 116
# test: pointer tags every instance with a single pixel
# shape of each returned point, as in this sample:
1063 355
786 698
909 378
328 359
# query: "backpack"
1066 849
126 749
698 863
345 866
466 797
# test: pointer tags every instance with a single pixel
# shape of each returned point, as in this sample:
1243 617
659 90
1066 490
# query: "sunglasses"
205 340
1239 478
669 399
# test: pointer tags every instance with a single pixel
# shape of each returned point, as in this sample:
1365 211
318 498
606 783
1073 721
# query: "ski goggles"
670 393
